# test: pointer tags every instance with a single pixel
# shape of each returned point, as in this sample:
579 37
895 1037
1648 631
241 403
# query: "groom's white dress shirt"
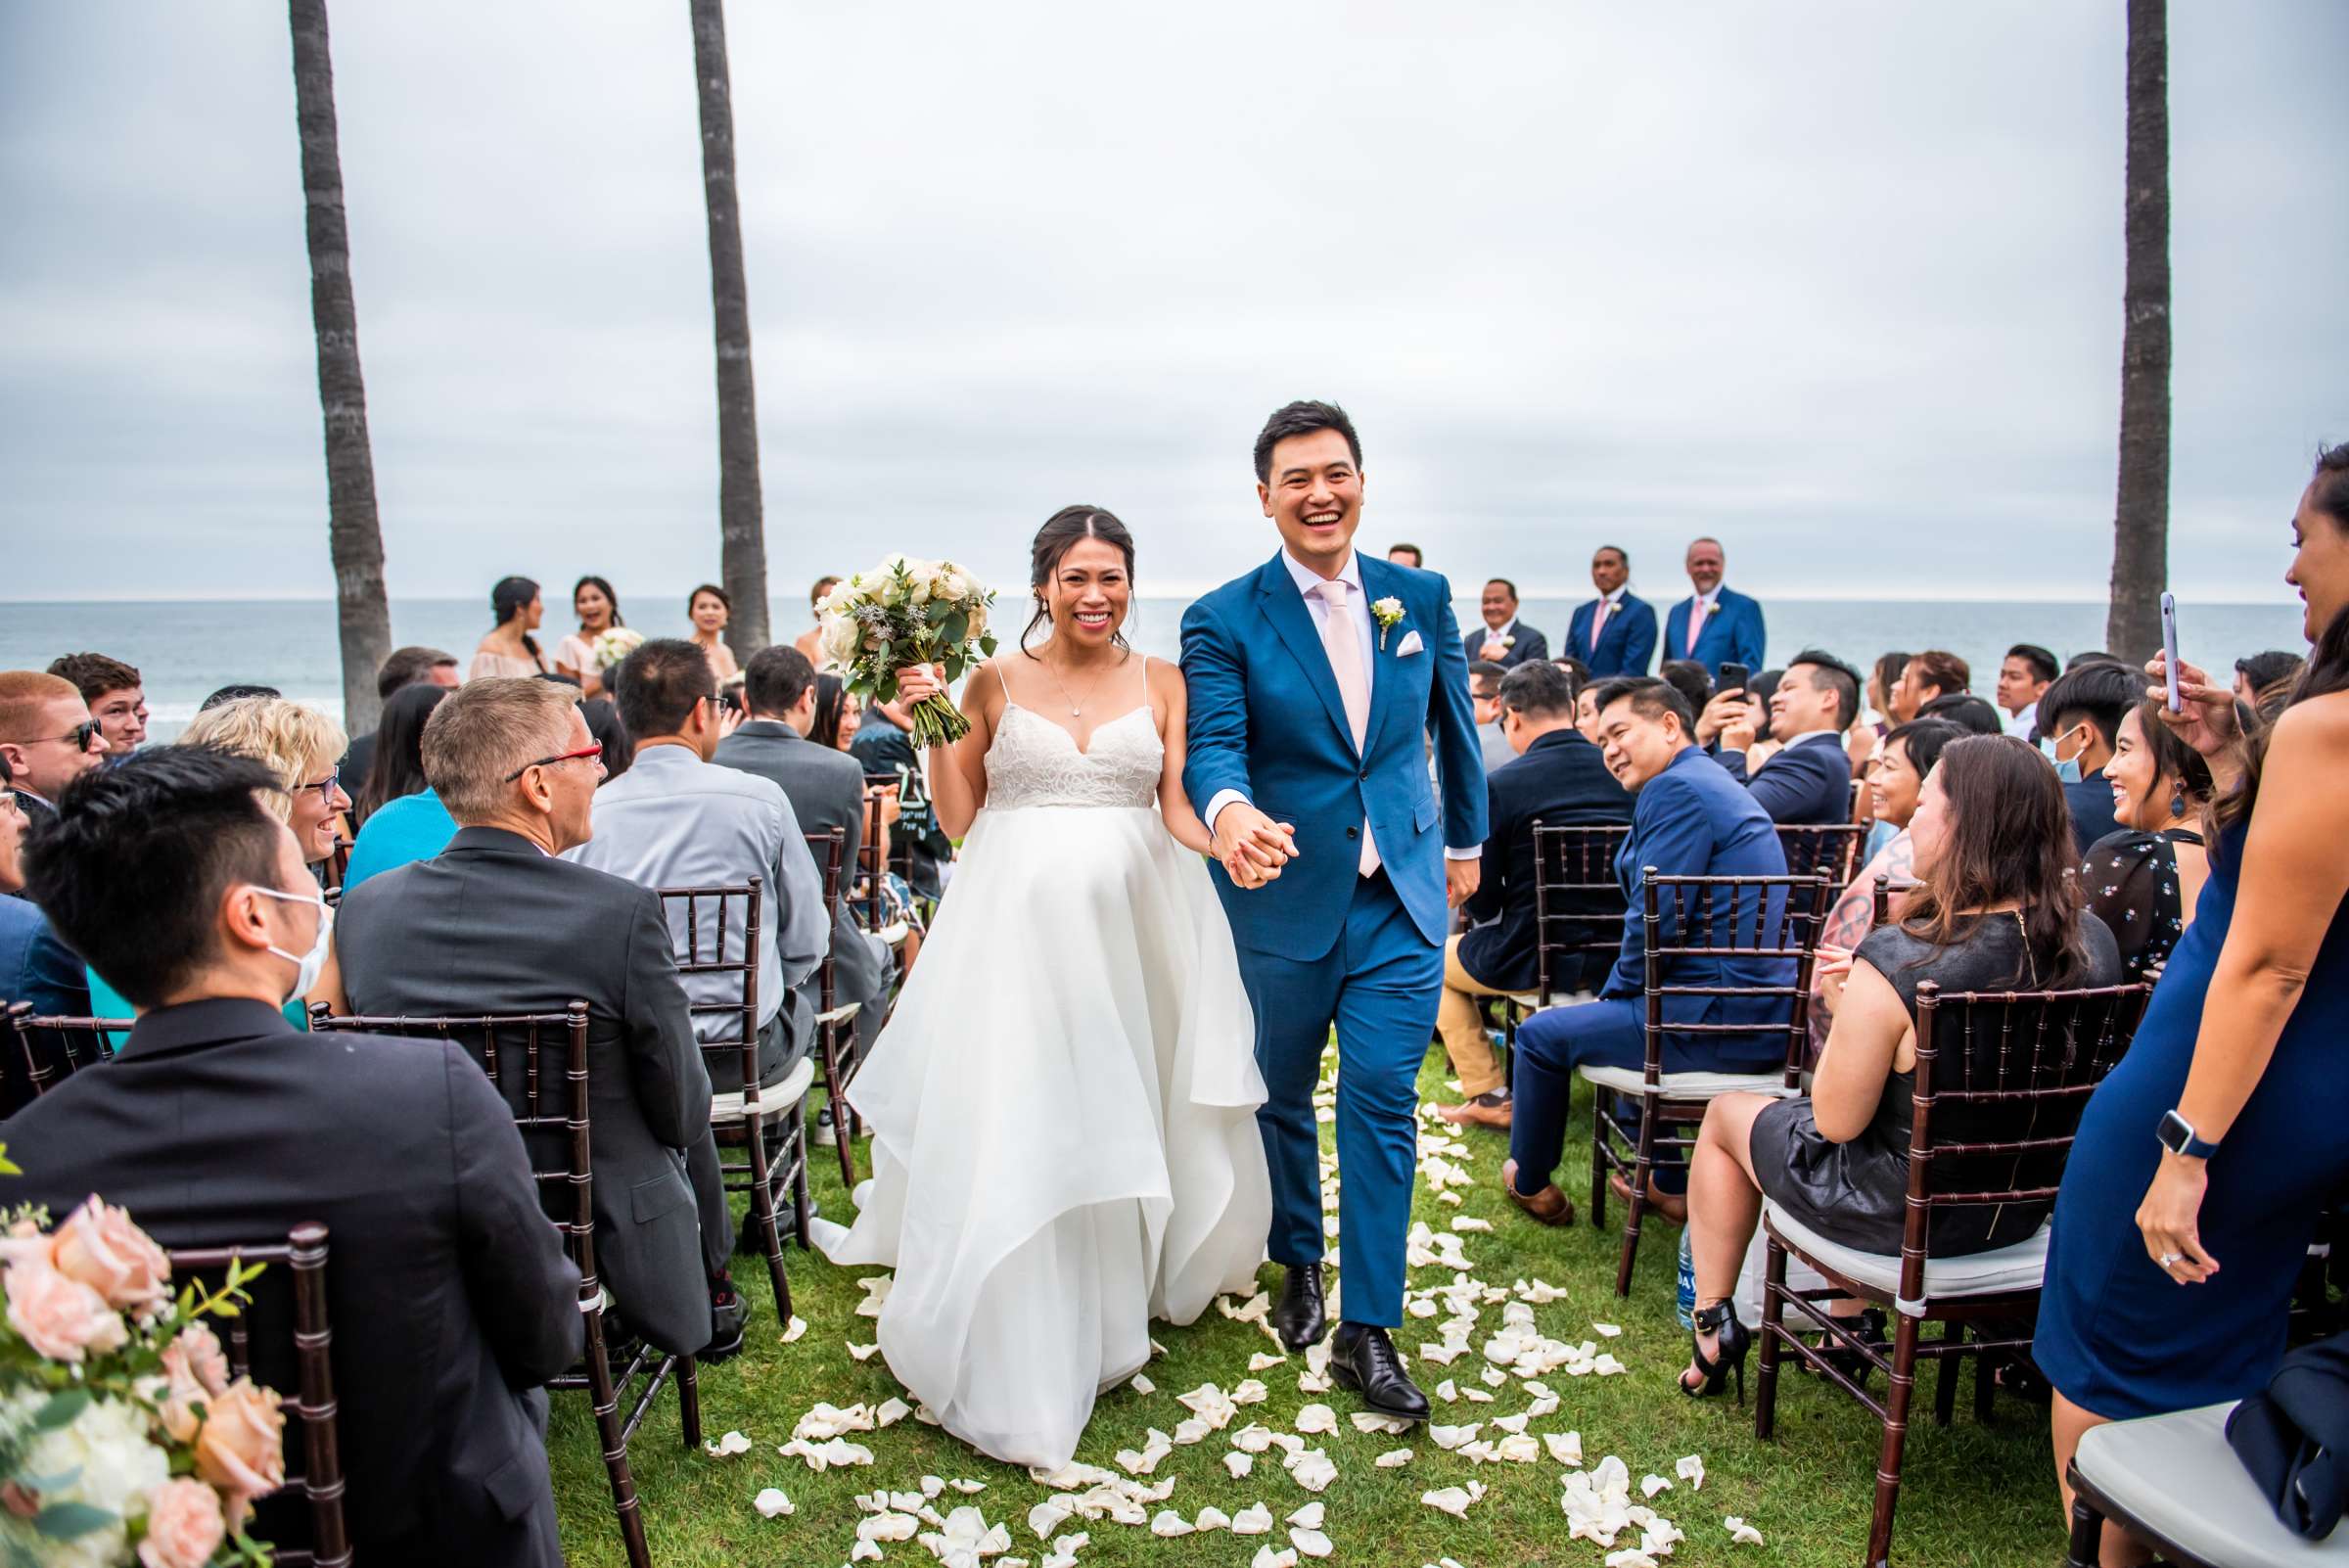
1358 610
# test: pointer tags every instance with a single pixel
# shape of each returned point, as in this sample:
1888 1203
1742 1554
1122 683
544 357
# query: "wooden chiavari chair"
51 1048
1578 915
833 1016
2002 1079
1834 848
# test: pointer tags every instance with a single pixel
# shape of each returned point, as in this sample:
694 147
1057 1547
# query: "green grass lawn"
1971 1494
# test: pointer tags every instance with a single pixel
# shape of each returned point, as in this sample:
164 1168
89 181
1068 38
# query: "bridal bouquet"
904 613
612 646
122 1438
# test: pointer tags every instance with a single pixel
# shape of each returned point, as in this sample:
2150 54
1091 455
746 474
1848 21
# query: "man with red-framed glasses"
47 737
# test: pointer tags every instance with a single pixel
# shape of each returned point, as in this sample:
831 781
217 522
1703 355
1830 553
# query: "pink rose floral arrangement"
124 1439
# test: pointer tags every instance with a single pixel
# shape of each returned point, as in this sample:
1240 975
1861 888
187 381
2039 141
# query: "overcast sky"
1838 282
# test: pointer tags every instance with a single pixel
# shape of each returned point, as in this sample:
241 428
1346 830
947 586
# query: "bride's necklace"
1075 708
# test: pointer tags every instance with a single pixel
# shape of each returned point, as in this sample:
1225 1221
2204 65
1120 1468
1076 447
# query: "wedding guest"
2260 674
1575 668
1966 711
117 696
884 748
1714 625
1689 818
401 668
2023 674
403 817
1410 555
510 651
299 746
1993 913
1484 690
450 1295
1615 633
1585 713
2142 879
499 923
47 738
235 692
838 714
1935 672
1809 779
810 643
2088 655
598 609
1690 679
679 820
710 609
35 966
1505 640
2079 723
1555 779
1861 745
2204 1160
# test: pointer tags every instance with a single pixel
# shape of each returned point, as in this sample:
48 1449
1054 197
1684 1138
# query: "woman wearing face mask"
2144 879
2079 724
2204 1160
598 610
510 649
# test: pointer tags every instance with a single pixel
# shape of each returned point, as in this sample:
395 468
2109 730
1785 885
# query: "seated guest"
678 820
1966 711
117 696
1576 667
236 691
1925 676
839 713
1809 779
34 965
47 738
884 748
2142 877
2087 656
1410 555
1896 783
449 1293
1557 779
2023 674
1860 746
401 668
1615 633
404 820
1484 689
1995 913
2259 676
1689 818
1505 640
1690 679
2079 721
497 923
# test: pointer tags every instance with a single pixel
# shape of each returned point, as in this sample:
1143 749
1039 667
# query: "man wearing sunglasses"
48 738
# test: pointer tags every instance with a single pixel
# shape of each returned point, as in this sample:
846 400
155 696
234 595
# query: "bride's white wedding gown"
1062 1107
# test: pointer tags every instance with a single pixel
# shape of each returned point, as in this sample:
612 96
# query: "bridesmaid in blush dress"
2204 1159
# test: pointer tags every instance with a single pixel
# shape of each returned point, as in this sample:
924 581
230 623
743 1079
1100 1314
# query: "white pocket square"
1409 645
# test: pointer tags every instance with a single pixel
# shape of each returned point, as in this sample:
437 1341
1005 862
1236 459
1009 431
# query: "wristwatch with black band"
2178 1136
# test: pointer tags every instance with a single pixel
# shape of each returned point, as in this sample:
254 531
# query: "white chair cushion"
895 933
1686 1085
2175 1476
774 1099
2020 1266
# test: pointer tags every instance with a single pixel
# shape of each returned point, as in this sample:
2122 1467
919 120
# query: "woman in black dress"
2144 879
1995 910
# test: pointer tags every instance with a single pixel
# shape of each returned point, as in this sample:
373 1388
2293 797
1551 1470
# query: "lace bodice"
1034 762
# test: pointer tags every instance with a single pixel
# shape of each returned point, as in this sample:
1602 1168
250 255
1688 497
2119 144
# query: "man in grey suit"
826 788
499 923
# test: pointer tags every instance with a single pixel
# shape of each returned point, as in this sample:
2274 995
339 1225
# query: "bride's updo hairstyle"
1053 542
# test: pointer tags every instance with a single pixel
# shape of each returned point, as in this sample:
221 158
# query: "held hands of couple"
2207 722
1252 846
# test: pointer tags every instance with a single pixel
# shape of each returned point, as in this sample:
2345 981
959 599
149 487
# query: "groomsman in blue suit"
1314 683
1714 625
1505 640
1615 633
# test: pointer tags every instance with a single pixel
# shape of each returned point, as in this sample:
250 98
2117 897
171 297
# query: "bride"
1063 1106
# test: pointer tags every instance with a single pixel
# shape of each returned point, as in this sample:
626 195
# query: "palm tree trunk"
742 531
2140 525
355 539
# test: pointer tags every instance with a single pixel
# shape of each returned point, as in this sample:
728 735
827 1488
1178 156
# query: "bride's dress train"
1062 1107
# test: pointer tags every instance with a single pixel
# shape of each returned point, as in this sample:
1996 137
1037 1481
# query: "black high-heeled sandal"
1869 1328
1733 1340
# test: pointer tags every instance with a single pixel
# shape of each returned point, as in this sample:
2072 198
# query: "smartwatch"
2177 1135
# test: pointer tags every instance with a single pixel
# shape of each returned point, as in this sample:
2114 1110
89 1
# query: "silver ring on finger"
2170 1260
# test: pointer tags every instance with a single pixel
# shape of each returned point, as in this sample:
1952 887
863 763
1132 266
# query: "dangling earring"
2178 803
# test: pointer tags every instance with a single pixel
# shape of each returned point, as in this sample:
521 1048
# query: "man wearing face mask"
217 1122
2079 723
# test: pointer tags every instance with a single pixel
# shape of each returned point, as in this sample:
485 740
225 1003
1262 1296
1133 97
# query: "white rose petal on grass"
1046 1517
1470 1224
1239 1464
1631 1557
1448 1391
772 1503
1740 1533
1564 1446
1311 1516
1254 1520
1454 1501
1190 1431
1451 1437
725 1448
876 1291
861 1352
1371 1422
798 1326
1167 1522
1650 1485
888 1527
1141 1385
968 1488
1251 1439
1316 1418
1393 1460
1518 1448
931 1486
1692 1469
1252 1310
1266 1557
1607 1330
1312 1470
1249 1391
890 1412
1539 1292
1212 1517
1262 1362
866 1551
1608 1366
1309 1542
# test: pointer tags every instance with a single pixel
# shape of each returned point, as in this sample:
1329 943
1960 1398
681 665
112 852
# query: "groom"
1314 682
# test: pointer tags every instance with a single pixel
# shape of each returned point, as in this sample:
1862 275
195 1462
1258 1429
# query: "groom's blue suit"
1323 944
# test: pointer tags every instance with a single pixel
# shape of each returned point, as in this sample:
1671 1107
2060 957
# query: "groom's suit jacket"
1267 720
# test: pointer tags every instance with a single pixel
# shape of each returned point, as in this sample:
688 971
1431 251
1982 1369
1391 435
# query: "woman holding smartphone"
2204 1159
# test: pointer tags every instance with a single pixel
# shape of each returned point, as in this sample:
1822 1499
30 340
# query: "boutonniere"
1388 612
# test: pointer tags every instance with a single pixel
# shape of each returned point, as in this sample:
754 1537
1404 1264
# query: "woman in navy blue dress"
2203 1161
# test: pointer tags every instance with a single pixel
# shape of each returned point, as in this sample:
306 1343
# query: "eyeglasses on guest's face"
596 751
8 805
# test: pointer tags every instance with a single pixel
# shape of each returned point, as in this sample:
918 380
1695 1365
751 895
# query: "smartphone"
2169 650
1733 677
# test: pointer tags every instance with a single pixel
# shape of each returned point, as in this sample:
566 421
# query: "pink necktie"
1696 624
1340 640
1598 623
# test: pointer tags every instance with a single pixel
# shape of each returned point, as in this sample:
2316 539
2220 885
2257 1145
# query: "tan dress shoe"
1549 1205
1476 1113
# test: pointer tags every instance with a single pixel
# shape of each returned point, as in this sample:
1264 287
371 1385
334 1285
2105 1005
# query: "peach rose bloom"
59 1318
195 1371
184 1525
99 1246
242 1446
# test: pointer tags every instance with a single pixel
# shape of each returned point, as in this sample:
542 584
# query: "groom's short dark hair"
1303 418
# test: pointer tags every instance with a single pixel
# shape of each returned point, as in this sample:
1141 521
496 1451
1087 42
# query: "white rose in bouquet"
614 645
106 1451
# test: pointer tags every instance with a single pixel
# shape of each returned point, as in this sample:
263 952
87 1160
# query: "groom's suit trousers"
1380 986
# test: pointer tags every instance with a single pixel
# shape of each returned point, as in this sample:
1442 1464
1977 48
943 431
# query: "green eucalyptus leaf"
61 1409
70 1521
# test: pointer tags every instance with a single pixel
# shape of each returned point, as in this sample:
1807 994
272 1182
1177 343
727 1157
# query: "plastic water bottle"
1688 1301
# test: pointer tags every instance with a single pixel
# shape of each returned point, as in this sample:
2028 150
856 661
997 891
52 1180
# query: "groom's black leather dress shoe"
1363 1358
1298 1316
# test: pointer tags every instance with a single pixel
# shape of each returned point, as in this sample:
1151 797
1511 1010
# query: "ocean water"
186 649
